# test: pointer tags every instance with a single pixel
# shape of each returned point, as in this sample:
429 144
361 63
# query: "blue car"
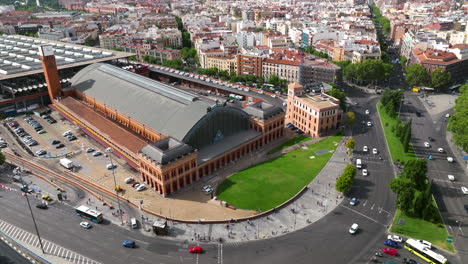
129 243
391 243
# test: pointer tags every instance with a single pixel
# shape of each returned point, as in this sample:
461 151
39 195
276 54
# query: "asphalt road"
448 195
9 256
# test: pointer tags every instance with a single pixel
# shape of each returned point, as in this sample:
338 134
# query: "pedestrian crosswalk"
50 248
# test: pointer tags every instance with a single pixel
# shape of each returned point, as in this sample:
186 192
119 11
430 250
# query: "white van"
358 163
133 223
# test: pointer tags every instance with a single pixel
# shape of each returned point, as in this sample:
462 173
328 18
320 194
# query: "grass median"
394 144
421 229
271 183
291 142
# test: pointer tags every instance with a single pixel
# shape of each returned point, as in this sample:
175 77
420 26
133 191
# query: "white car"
364 149
367 112
207 189
395 238
97 153
354 228
111 166
85 224
427 145
464 190
364 172
426 243
374 151
369 123
449 159
440 150
140 187
447 115
451 177
41 152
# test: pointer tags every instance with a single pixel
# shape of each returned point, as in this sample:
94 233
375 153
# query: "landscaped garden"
269 184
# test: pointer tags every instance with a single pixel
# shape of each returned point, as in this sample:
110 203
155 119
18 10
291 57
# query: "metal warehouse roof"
166 109
19 55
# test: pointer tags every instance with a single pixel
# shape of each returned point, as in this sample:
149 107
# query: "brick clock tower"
46 52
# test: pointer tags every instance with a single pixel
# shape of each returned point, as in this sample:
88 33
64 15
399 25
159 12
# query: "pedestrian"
96 207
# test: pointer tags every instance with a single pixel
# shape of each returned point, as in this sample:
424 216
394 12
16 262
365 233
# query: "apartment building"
251 65
223 63
315 114
314 70
284 69
161 55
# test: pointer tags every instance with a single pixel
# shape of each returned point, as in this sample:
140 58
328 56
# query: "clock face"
46 50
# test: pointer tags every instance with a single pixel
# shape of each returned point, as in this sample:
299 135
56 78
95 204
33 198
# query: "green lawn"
291 142
420 229
396 148
267 185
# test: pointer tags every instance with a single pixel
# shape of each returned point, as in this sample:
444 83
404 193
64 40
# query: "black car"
409 261
55 142
430 139
61 145
418 114
41 206
71 138
51 121
466 207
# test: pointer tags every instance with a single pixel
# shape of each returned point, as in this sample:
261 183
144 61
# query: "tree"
405 200
345 181
440 79
419 205
274 80
398 184
350 143
416 75
350 118
416 170
340 96
458 122
391 100
407 136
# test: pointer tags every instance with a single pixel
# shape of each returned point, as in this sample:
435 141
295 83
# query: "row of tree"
416 75
316 53
345 181
403 132
366 72
413 190
458 122
391 101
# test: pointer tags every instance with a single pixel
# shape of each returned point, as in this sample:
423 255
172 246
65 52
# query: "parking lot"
192 203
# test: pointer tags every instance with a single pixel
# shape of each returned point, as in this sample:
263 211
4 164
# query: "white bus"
424 252
89 214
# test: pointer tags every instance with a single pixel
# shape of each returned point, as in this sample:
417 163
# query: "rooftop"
320 101
19 55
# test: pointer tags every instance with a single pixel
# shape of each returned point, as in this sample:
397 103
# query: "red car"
389 251
195 249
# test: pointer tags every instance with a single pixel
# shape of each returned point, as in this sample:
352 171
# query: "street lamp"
110 151
24 188
459 227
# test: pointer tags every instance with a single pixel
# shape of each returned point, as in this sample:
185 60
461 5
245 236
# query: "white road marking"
361 214
372 207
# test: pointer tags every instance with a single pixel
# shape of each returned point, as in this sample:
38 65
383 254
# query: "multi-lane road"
448 194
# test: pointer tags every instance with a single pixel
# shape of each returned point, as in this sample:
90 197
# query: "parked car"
129 243
67 133
55 142
364 172
196 250
427 145
140 187
129 180
409 261
41 206
41 131
390 251
369 123
374 151
365 149
440 150
354 201
450 159
41 152
71 138
97 153
61 145
395 238
111 166
367 112
207 189
464 190
135 184
391 243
